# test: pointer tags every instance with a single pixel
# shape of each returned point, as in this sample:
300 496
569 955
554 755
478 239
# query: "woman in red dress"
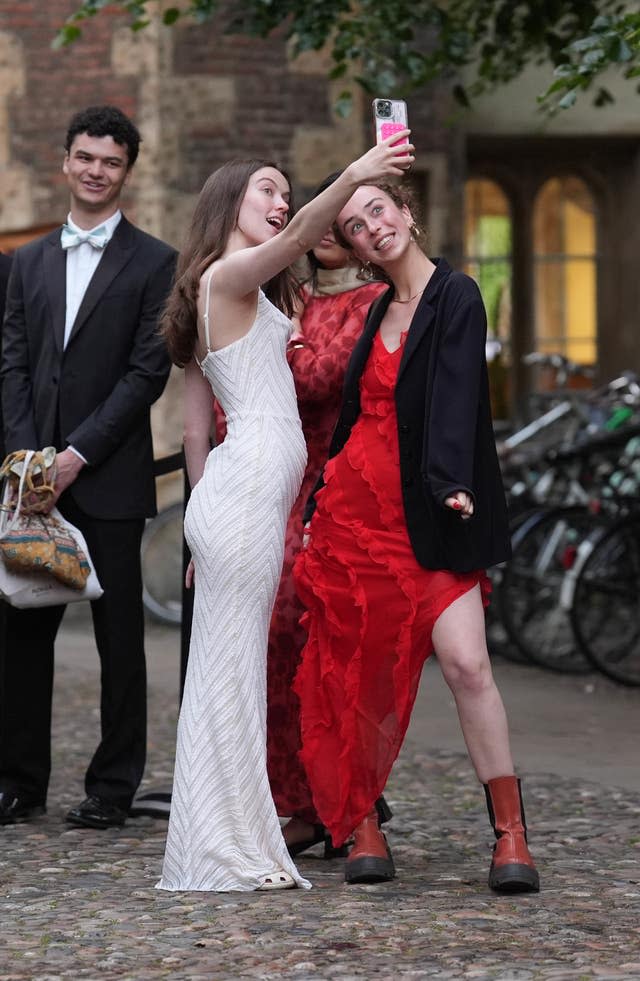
410 513
335 303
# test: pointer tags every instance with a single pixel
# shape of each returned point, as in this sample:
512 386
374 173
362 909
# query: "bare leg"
296 831
460 644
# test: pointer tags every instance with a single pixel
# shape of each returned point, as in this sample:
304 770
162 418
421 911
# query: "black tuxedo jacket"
5 267
96 394
444 425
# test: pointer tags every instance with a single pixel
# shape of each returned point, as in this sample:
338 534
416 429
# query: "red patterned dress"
371 610
331 325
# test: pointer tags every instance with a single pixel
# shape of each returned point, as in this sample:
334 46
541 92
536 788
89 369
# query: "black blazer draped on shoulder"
444 425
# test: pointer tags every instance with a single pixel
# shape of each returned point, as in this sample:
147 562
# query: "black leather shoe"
319 834
97 812
16 810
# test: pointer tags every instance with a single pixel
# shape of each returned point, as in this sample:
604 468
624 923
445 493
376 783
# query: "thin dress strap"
206 309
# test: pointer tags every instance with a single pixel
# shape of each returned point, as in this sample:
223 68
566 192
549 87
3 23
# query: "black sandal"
320 833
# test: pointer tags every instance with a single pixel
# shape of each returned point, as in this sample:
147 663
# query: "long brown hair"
214 219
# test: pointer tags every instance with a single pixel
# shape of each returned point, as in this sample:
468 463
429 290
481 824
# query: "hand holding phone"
390 116
384 161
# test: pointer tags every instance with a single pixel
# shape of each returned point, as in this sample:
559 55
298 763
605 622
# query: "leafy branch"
612 41
398 46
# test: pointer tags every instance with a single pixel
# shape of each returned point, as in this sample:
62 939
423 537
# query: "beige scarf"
331 281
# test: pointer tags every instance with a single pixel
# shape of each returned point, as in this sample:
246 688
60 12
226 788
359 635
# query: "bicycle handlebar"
563 365
627 380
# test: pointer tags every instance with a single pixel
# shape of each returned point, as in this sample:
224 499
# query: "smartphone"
390 116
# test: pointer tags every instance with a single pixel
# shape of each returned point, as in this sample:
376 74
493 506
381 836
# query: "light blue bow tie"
98 237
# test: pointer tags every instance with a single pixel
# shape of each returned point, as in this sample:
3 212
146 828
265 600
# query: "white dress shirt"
82 262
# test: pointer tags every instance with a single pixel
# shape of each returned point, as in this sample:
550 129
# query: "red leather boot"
512 868
370 857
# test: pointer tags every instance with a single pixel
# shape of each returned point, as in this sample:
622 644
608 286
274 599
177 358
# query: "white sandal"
276 880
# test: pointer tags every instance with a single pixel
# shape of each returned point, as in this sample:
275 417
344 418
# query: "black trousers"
27 667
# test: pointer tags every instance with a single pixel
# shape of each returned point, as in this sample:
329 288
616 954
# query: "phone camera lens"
384 109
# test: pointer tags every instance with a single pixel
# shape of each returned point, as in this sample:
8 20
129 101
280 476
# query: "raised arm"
240 273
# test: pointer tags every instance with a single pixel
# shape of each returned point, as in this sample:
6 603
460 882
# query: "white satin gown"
224 832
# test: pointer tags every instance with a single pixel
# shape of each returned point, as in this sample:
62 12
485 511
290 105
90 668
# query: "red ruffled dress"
331 322
371 609
331 325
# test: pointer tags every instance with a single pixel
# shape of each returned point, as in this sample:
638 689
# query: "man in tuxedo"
82 364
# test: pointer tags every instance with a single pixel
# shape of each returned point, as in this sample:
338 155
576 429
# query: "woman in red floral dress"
408 515
335 306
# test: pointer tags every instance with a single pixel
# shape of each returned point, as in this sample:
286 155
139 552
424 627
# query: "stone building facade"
200 98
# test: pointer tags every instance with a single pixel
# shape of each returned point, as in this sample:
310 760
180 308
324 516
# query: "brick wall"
41 89
200 98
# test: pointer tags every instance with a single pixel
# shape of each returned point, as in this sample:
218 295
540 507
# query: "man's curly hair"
106 121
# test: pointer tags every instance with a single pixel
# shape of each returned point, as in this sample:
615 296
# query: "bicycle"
529 604
549 493
161 554
534 598
604 601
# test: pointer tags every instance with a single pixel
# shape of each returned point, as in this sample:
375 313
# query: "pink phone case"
390 116
388 129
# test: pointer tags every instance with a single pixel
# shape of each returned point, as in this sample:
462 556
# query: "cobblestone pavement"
78 904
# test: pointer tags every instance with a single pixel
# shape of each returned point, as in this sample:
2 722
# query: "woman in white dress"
224 832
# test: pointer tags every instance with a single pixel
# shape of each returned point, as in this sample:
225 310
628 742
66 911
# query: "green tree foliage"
613 41
396 46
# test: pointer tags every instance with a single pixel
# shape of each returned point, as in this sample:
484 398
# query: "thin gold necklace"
396 300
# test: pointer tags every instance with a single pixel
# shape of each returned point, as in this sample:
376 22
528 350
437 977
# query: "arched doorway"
565 270
488 259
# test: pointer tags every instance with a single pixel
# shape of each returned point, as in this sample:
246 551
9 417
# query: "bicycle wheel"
544 548
498 641
606 603
161 554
